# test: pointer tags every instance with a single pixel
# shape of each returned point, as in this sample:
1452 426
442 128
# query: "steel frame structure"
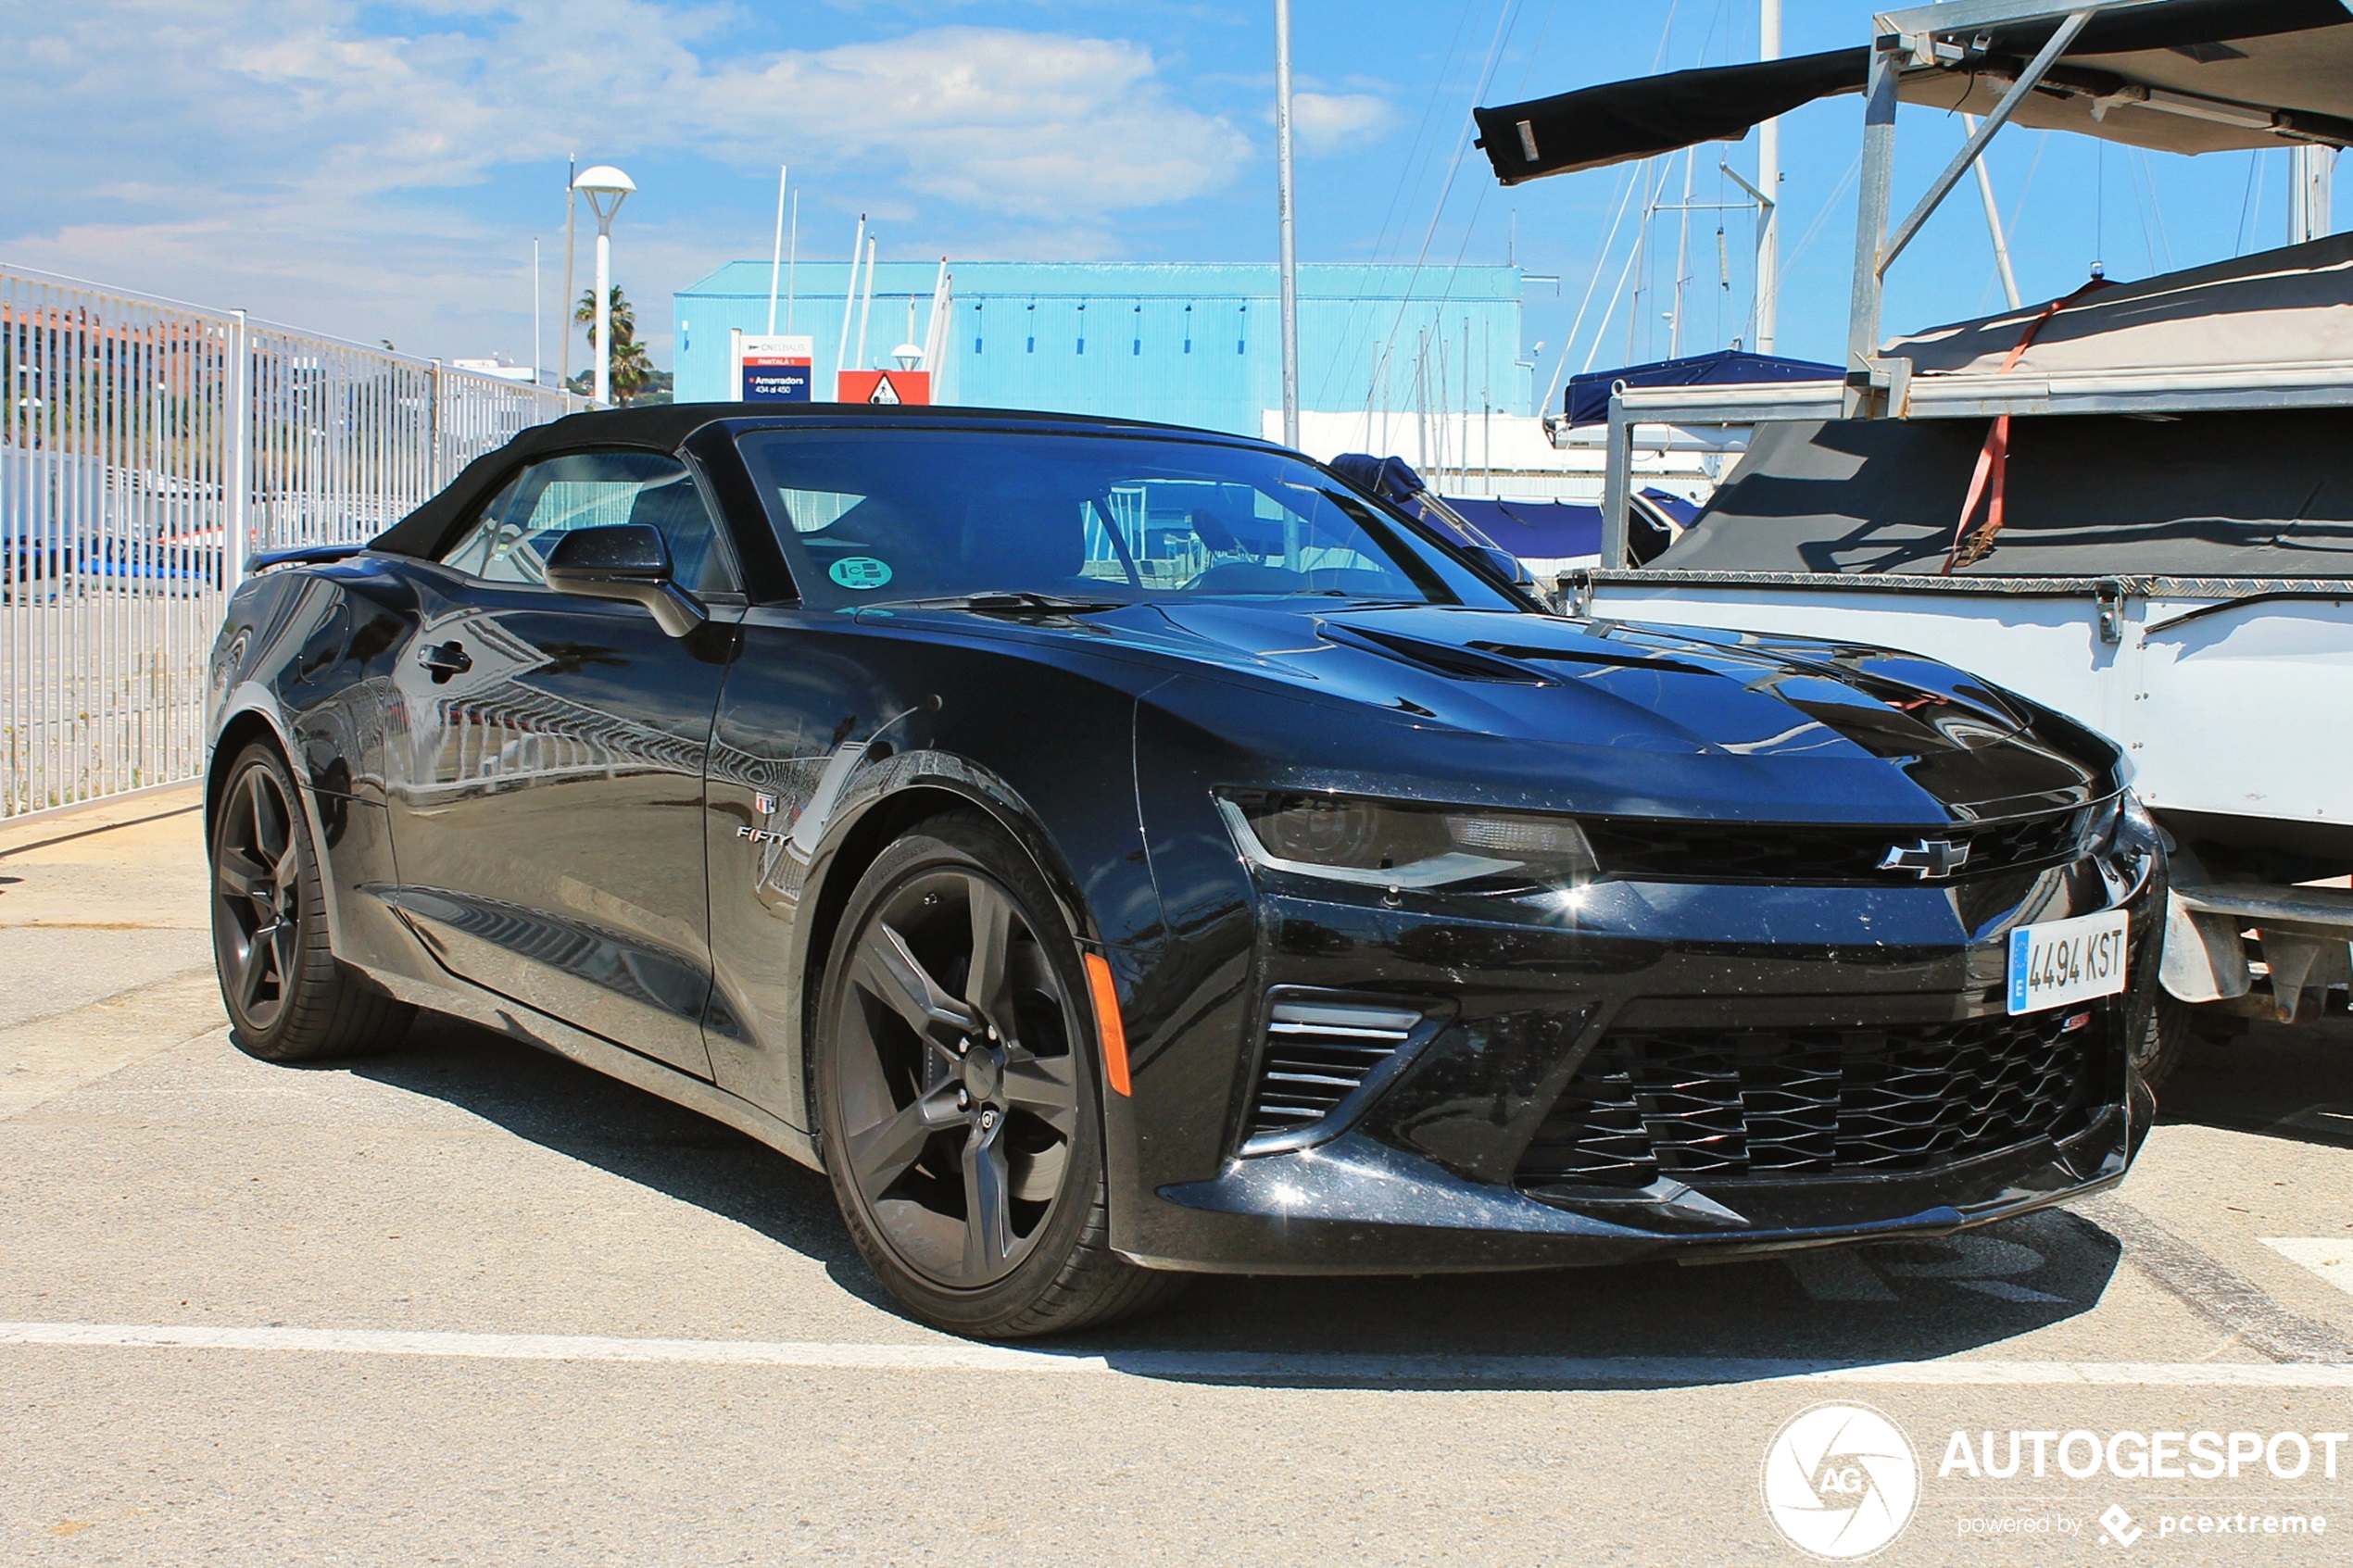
1877 388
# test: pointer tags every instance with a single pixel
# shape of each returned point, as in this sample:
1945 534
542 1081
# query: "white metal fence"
147 449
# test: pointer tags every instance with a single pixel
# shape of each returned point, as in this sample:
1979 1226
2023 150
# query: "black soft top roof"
665 427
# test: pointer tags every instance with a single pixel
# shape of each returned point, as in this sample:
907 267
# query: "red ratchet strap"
1993 457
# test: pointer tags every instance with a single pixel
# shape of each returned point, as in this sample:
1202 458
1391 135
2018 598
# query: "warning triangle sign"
883 387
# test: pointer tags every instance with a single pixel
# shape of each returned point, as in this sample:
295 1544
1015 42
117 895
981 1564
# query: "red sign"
883 386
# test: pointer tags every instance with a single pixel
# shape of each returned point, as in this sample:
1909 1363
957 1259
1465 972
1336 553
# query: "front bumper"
1433 1173
1358 1206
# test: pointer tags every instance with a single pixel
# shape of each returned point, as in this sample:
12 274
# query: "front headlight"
2099 825
2122 823
2136 830
1387 844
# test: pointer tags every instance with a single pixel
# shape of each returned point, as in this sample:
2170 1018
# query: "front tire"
288 999
2172 1027
955 1090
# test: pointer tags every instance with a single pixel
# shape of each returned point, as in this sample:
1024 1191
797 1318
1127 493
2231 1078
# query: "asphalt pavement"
465 1304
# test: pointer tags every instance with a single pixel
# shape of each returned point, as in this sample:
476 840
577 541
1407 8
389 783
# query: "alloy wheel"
955 1077
257 896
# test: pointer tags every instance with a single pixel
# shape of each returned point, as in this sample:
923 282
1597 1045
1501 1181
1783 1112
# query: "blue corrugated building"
1187 343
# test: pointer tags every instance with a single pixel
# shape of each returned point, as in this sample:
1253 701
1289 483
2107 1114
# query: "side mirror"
625 560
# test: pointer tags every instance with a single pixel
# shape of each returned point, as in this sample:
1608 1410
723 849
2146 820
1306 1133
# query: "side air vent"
1321 1058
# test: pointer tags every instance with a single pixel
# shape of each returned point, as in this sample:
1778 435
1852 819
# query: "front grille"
1703 1105
1668 849
1318 1054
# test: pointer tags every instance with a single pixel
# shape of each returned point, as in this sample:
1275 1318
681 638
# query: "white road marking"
2334 1121
948 1355
2329 1259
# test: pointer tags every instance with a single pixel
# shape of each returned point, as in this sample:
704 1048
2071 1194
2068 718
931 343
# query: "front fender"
250 708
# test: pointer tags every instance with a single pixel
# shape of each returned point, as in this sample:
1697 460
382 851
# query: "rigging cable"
1509 10
1397 195
1381 244
2238 238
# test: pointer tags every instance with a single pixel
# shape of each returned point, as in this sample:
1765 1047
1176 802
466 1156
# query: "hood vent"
1323 1059
1440 659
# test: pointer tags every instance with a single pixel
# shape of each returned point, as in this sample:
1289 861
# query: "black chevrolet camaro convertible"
1112 852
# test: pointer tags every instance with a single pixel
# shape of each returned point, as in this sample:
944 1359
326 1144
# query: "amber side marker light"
1107 1025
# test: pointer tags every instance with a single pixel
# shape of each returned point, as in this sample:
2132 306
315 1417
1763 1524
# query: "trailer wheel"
2166 1040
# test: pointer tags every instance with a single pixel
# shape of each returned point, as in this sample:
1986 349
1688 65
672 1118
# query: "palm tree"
631 366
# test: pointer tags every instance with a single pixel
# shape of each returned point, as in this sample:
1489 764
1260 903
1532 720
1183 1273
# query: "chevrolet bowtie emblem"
1931 858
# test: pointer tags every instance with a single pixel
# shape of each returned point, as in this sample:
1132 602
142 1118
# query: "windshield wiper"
1007 602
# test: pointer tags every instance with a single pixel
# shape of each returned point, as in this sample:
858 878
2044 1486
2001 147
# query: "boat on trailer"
2134 504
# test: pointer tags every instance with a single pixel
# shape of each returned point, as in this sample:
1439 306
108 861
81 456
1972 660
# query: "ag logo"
1840 1481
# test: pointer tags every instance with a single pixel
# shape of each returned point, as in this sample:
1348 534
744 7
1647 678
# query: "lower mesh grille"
1724 1105
1318 1054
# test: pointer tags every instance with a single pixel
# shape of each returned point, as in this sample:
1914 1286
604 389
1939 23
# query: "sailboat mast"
776 256
1768 181
1992 218
1682 262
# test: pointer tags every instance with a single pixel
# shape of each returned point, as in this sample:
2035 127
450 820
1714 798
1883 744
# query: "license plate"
2067 960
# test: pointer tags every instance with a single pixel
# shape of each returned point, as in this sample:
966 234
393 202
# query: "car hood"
1762 705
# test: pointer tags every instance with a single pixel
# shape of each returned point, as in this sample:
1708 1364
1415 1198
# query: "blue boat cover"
1588 395
1535 530
1530 530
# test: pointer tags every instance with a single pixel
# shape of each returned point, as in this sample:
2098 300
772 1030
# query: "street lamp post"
605 188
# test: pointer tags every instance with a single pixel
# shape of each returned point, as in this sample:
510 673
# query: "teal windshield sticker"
860 572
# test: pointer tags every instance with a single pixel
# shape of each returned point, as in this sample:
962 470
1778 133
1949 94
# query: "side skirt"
464 999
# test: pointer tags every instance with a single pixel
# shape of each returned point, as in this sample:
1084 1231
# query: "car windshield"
890 515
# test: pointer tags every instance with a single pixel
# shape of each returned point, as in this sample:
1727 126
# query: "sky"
379 172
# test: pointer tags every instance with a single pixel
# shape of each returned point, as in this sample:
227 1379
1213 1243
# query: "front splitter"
1355 1205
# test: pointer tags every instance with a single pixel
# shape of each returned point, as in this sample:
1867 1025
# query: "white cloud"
1325 122
1038 124
279 155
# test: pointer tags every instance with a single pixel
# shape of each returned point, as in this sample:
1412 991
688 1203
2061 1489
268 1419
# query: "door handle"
445 660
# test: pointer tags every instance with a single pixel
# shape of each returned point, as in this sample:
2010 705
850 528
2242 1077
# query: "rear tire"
288 997
955 1077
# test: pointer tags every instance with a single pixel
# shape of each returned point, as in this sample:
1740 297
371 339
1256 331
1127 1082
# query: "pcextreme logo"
1840 1481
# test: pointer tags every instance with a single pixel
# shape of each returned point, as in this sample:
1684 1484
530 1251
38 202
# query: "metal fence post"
440 469
238 536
